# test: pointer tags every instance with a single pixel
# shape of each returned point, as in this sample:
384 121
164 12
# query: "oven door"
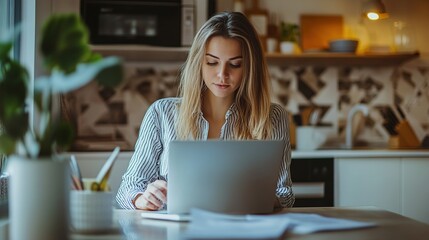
133 22
313 182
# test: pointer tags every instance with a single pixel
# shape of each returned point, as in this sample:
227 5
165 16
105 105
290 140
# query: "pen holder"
90 211
88 184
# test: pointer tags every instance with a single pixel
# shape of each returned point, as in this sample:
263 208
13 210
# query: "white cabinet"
369 182
394 183
415 189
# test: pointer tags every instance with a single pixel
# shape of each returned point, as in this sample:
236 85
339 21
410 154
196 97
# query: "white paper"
303 223
209 225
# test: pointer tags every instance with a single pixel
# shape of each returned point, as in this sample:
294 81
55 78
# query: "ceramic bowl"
343 45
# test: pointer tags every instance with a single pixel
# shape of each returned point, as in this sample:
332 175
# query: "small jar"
402 37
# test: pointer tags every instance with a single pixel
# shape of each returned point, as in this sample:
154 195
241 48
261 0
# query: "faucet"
350 115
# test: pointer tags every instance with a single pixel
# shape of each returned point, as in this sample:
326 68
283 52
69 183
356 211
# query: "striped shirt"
149 161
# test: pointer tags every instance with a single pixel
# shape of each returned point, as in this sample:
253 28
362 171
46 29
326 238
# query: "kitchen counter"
327 153
360 153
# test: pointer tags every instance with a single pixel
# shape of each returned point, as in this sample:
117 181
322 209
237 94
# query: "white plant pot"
38 199
287 47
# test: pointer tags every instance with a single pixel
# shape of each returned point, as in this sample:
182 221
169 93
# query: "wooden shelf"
141 53
342 59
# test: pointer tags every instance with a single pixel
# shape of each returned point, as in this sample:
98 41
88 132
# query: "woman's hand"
154 197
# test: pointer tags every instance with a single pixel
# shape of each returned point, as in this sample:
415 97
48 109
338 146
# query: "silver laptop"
237 177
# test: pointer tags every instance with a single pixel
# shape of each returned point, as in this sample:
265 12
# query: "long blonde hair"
252 98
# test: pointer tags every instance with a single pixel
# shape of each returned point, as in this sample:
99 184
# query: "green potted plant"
41 178
289 37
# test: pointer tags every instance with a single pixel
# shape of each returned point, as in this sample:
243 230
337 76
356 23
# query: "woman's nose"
223 72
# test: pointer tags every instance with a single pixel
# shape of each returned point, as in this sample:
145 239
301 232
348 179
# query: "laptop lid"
223 176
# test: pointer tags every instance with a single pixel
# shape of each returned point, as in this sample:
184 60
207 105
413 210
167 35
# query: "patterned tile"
108 117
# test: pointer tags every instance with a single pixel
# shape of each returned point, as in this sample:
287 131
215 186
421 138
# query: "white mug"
309 138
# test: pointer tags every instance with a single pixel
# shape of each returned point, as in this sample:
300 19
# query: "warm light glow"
372 16
374 10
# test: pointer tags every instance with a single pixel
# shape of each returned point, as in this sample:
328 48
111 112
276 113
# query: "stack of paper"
302 223
209 225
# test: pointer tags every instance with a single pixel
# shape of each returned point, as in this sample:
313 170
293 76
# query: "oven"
169 23
313 182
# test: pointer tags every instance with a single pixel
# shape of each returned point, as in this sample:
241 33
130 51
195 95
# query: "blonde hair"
253 96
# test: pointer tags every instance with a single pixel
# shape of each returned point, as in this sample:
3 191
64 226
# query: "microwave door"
135 24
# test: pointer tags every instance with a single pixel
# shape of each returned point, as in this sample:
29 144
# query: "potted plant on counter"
289 36
39 191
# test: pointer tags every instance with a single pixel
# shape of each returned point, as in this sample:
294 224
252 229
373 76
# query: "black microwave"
170 23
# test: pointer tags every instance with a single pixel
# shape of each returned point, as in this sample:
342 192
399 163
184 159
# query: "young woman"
224 94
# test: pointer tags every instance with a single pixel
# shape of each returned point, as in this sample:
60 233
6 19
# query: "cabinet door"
415 180
368 182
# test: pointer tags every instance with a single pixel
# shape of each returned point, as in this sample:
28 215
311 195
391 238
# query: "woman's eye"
211 63
237 65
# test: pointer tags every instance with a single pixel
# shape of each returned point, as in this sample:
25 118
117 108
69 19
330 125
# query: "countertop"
296 154
359 153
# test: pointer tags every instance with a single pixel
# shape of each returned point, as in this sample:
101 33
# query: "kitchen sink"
339 144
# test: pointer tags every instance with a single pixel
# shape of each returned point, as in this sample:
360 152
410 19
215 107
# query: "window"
10 18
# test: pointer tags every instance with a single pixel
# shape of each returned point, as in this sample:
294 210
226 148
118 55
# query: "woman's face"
223 68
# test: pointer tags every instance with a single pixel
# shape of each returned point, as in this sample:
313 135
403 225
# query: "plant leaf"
85 73
5 47
64 42
7 144
57 135
64 135
110 76
13 94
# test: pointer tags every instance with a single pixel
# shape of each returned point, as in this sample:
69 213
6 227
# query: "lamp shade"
374 9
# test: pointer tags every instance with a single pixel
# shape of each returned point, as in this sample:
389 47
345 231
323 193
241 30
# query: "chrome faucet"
350 115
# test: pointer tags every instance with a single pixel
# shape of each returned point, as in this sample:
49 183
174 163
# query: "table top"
389 226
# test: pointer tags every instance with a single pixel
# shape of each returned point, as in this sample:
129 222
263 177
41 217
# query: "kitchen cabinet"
179 54
415 190
368 182
396 184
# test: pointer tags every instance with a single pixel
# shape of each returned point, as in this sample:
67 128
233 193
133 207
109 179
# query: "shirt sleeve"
284 191
145 161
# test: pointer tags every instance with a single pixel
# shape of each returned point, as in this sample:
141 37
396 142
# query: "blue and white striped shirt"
149 161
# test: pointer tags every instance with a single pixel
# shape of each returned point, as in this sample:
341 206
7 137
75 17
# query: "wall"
412 12
112 118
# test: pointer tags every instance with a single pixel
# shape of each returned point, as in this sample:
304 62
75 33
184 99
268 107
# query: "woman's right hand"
154 197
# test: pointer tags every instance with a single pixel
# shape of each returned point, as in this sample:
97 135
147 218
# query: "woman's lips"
222 86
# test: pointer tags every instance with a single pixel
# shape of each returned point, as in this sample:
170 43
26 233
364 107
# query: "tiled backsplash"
105 118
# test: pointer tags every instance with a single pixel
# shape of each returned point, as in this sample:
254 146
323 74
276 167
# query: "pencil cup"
90 211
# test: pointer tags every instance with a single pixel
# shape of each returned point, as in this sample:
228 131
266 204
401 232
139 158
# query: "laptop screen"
223 176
